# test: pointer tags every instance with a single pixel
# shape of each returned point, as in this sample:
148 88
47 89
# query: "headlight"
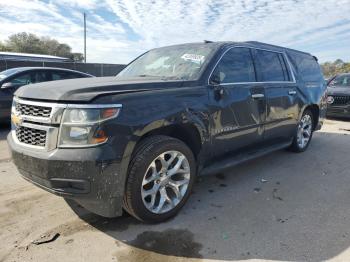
81 126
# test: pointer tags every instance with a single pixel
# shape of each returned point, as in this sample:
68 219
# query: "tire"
151 170
304 130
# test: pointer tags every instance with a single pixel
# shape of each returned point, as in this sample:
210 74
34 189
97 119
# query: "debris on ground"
257 190
281 220
47 238
69 241
215 205
263 180
275 195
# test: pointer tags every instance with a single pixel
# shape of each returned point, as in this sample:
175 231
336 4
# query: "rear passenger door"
282 108
237 103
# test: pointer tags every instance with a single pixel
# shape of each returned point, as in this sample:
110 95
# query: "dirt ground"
284 206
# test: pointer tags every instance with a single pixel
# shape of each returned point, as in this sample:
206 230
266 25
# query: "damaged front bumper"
85 175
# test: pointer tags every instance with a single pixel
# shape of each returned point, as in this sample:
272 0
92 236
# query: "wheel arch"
186 132
315 110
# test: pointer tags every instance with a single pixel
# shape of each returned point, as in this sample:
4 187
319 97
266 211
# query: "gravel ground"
284 206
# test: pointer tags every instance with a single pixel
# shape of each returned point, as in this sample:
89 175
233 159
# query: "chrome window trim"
288 65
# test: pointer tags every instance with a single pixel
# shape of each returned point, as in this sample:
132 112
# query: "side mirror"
7 85
218 90
215 80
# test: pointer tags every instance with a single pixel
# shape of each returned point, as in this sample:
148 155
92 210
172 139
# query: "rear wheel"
161 176
304 132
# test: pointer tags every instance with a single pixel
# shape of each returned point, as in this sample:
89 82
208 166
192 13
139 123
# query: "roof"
38 56
252 44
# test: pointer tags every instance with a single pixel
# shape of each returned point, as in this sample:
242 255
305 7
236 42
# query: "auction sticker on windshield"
193 58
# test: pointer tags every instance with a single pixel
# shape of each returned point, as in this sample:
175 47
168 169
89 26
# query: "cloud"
119 30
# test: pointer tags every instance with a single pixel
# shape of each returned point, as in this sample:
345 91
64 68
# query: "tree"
2 47
336 67
77 57
30 43
24 43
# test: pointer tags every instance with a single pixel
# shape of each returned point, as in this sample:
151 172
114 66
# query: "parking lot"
283 206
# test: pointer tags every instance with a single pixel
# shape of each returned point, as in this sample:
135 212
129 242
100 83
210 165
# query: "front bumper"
339 111
89 175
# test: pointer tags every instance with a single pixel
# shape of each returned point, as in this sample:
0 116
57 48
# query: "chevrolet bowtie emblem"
16 120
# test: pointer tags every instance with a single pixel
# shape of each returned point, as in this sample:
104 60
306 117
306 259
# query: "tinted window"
341 81
310 69
235 66
23 79
64 75
40 76
271 66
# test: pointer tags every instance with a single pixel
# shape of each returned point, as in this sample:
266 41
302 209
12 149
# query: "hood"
340 91
86 89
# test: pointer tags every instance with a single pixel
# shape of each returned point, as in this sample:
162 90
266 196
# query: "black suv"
137 141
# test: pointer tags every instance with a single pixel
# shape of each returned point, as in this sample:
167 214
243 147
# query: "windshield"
8 72
341 81
176 62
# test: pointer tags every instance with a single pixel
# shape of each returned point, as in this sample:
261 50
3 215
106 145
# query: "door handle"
292 92
256 96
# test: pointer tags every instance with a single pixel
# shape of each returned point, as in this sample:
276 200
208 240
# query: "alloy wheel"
304 131
165 182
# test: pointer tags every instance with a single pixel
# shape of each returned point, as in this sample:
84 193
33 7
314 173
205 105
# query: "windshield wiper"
144 75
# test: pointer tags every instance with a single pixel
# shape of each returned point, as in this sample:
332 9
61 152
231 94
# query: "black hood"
338 91
86 89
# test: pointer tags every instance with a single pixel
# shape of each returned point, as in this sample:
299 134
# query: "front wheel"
160 179
303 133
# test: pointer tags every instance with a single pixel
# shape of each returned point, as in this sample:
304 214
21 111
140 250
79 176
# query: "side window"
73 75
40 76
235 66
23 79
271 66
64 75
57 75
310 70
61 75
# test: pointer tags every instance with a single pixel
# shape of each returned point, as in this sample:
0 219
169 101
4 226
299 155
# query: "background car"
338 100
12 79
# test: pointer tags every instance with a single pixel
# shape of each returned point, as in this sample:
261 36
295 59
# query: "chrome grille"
33 110
341 100
31 136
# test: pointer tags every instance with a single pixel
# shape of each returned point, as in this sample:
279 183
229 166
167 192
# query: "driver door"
238 103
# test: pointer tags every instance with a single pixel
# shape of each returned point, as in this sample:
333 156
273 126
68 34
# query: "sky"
120 30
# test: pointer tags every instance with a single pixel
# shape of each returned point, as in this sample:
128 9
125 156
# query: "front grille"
31 136
31 110
341 100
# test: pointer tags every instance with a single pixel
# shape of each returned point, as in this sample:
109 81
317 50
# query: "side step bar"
229 162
